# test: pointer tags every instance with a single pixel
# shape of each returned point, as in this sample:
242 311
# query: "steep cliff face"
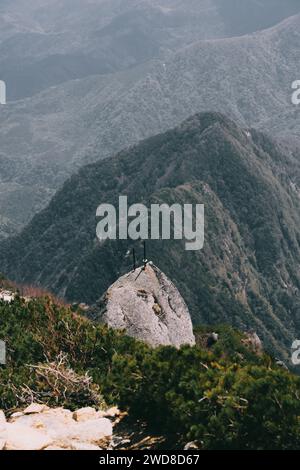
148 306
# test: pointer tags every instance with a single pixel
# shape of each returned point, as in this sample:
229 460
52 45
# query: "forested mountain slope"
247 274
46 138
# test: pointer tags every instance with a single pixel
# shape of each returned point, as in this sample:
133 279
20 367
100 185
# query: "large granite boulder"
148 306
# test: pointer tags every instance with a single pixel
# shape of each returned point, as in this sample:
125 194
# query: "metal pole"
145 261
134 259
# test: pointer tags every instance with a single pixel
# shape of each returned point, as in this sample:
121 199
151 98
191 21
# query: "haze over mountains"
248 271
48 136
47 42
165 102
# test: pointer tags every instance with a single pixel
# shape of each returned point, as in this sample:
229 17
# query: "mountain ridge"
247 273
50 136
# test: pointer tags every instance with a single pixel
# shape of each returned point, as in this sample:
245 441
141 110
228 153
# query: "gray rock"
254 342
148 306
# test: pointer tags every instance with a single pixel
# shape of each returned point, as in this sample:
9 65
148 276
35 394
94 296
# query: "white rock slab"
85 414
3 430
21 437
35 408
92 431
84 446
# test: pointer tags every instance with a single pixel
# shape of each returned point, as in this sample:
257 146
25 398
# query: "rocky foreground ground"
40 428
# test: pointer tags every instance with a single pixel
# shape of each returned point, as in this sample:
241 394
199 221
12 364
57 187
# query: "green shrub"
225 397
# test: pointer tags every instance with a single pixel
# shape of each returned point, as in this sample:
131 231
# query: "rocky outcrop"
253 341
6 296
148 306
40 428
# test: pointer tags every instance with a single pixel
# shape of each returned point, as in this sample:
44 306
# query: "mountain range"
246 275
50 135
47 42
164 102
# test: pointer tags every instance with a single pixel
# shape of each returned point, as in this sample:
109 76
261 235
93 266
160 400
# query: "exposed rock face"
254 342
39 427
6 296
148 306
20 437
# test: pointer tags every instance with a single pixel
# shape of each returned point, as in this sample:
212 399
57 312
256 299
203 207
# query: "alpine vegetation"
149 227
